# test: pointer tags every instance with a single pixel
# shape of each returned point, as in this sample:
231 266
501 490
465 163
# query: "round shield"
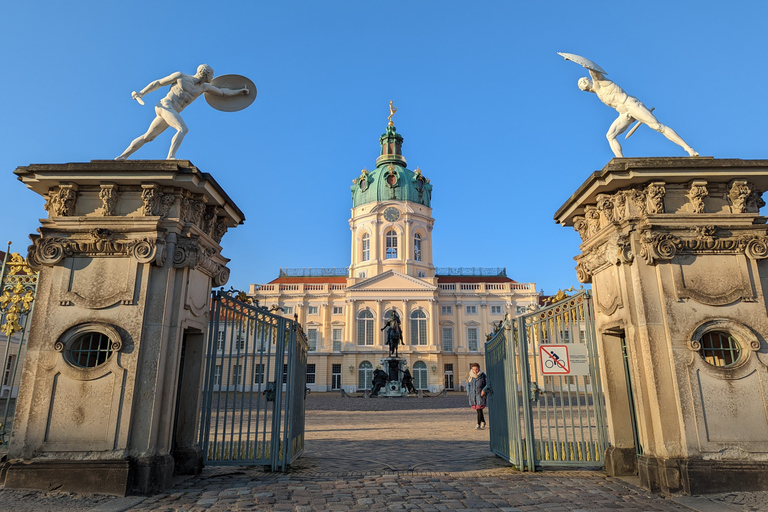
582 61
231 103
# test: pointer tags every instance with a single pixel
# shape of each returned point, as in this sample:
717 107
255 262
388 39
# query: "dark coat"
474 387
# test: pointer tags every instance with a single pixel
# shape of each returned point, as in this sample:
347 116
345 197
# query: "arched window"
720 349
391 244
364 376
417 247
420 375
365 328
366 247
418 328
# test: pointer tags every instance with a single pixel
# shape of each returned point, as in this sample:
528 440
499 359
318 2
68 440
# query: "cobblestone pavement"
391 454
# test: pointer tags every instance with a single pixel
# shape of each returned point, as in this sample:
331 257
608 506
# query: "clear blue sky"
488 111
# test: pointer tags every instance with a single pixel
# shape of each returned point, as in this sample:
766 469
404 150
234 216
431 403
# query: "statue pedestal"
109 399
393 367
675 250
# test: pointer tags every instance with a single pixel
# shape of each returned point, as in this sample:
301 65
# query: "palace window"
258 374
311 340
364 376
470 310
417 247
420 375
288 310
8 370
285 373
237 374
366 247
496 310
391 244
217 375
337 335
220 340
335 376
241 341
338 310
720 349
310 373
311 310
365 328
446 310
418 328
472 339
447 338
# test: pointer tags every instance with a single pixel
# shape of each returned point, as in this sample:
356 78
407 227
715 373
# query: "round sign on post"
231 103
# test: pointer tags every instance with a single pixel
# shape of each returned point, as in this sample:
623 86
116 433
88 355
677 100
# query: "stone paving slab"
391 455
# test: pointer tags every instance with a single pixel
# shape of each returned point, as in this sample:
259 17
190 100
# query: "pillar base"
697 476
116 477
620 461
188 461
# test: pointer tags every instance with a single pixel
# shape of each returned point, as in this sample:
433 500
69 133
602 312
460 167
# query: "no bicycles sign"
565 359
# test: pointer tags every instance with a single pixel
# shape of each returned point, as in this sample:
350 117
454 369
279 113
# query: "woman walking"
476 384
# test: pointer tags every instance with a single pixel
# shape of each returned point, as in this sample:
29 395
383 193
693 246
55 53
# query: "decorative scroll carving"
61 203
658 245
100 242
150 196
166 201
108 196
655 245
638 198
655 193
696 196
582 274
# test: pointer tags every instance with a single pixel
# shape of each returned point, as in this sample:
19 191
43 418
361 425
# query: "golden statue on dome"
392 111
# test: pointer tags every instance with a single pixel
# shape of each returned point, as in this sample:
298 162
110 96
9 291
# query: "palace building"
445 312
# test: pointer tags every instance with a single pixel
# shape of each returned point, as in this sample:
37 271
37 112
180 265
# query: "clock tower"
391 219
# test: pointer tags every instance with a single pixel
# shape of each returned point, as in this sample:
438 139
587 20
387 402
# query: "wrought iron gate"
18 285
546 401
254 385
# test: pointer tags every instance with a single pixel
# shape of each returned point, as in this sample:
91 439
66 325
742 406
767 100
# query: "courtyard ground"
391 454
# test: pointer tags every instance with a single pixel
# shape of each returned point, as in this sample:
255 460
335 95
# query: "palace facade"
445 312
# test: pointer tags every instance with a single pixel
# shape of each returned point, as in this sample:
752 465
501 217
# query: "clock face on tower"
391 214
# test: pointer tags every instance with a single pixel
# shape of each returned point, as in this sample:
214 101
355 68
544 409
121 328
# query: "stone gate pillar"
675 249
110 391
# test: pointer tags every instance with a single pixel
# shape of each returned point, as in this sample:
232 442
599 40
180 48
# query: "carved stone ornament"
605 206
655 193
738 194
61 202
49 251
657 245
195 213
219 230
593 221
166 201
189 253
696 196
580 225
616 251
209 220
108 196
150 196
183 207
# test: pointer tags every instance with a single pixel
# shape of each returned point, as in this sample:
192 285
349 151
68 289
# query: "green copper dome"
391 180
